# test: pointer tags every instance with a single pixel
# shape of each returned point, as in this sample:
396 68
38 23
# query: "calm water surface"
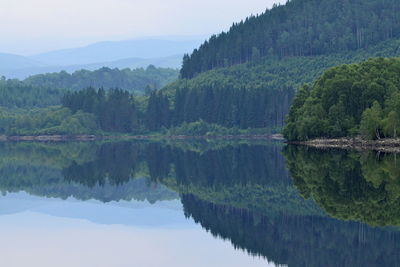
197 204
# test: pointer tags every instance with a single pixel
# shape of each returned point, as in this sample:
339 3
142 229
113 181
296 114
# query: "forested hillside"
247 93
349 100
299 28
47 89
247 77
17 94
32 106
242 97
128 79
255 94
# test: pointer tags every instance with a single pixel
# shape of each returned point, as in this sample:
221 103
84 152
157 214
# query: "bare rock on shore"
384 145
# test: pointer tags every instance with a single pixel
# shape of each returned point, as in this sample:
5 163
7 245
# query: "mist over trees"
246 92
132 80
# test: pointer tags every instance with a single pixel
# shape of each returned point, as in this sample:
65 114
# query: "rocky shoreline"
391 145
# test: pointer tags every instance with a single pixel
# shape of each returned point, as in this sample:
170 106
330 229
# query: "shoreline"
391 145
91 138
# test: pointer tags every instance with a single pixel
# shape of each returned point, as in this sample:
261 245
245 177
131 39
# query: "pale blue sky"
32 26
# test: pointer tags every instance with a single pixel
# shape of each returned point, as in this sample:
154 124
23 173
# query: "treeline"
115 110
231 107
17 94
222 101
224 105
349 100
47 121
299 28
252 95
46 90
139 80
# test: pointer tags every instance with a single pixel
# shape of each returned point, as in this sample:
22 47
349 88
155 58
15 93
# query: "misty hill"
107 78
299 28
165 62
164 53
45 90
10 61
112 51
246 78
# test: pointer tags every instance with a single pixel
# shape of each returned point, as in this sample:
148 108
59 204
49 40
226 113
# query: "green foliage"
259 94
339 102
248 96
114 111
371 121
47 121
158 113
299 28
16 94
45 90
391 124
133 80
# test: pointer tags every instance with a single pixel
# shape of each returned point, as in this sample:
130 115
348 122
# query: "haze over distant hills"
132 63
12 61
111 51
117 54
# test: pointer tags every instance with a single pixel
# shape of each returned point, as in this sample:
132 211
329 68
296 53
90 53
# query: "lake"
197 203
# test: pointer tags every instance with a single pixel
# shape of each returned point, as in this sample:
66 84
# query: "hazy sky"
31 26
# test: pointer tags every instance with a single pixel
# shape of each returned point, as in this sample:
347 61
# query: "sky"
33 26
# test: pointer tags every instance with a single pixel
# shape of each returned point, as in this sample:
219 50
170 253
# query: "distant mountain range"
10 61
165 62
118 54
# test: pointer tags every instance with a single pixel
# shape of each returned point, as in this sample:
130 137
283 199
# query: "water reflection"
238 191
296 240
349 185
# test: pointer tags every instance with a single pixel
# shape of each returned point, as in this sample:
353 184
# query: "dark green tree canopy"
348 100
131 80
298 28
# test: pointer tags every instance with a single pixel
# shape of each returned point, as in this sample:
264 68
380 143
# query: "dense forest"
36 107
298 28
349 100
115 110
47 121
132 80
17 94
252 97
246 77
45 90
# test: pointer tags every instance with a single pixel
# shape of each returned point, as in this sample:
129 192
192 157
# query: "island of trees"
349 100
